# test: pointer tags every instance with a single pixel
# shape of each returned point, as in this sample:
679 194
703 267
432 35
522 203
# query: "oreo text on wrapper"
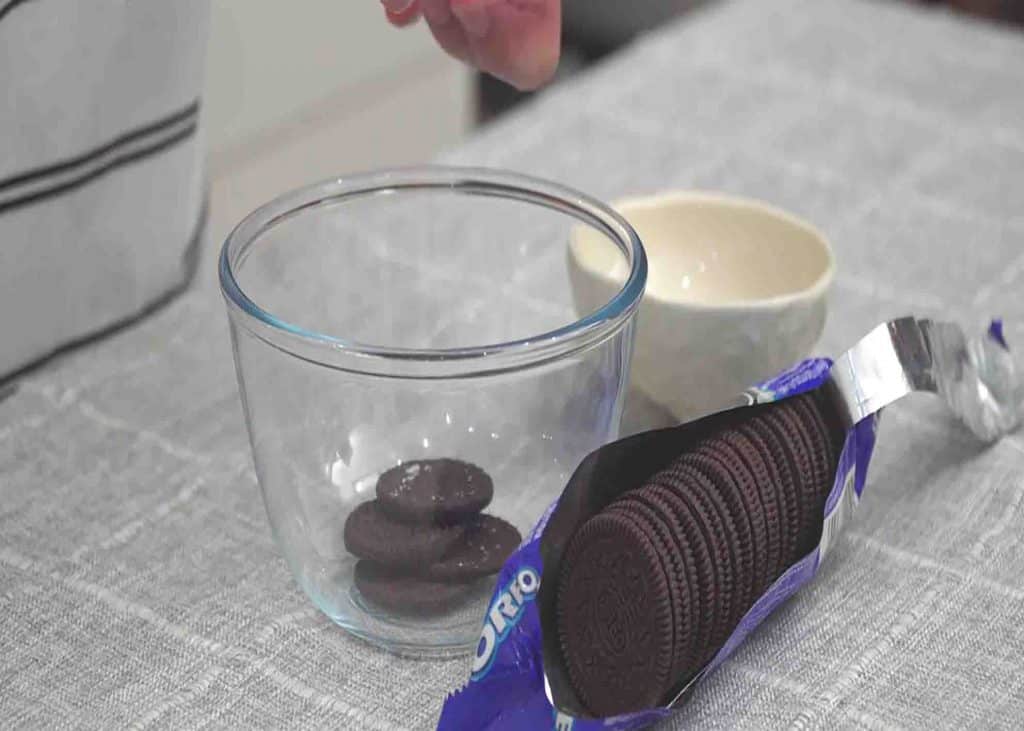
668 548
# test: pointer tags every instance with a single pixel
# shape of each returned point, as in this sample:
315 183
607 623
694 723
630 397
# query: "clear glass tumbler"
413 314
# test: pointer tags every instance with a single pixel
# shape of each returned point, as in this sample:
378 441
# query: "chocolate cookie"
482 550
689 486
434 490
748 453
815 491
371 534
730 537
681 576
708 554
782 479
700 591
399 592
668 569
824 458
732 472
783 422
827 442
718 480
614 617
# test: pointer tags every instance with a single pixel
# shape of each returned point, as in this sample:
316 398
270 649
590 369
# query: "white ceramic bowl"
736 292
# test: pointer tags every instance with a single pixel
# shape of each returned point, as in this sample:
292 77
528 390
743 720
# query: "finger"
406 17
474 16
516 40
397 6
446 29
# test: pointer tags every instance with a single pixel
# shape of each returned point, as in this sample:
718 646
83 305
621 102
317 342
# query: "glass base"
414 651
446 635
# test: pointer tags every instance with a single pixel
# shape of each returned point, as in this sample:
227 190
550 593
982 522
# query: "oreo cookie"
729 471
729 536
825 442
481 550
371 534
787 428
680 572
712 559
690 486
434 491
698 543
613 616
782 478
701 586
719 481
399 592
824 458
747 452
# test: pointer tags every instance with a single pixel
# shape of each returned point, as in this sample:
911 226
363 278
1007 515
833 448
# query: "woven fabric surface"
139 584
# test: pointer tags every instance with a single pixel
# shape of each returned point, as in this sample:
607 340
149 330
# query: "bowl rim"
811 292
350 355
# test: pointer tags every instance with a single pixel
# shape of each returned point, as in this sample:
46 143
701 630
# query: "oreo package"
668 548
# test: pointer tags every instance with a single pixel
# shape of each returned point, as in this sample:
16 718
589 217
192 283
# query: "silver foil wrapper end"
975 375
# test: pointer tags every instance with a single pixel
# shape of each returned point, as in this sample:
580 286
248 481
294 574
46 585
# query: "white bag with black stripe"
101 189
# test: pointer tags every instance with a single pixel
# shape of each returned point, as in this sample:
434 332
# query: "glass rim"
350 355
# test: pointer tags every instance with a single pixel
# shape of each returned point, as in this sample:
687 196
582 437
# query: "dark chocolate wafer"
482 550
691 641
613 616
750 534
654 528
826 408
824 460
707 590
728 553
828 441
781 419
782 478
821 449
739 557
688 491
727 517
687 636
434 490
747 451
371 534
399 592
814 493
753 510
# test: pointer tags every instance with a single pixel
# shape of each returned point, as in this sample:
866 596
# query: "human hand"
516 40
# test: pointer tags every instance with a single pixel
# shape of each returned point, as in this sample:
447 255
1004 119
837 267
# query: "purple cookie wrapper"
995 331
516 670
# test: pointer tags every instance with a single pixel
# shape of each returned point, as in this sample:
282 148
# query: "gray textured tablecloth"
138 581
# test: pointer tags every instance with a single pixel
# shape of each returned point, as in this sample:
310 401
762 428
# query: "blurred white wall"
303 90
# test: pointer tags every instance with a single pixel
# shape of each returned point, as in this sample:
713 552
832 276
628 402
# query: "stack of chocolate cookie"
424 540
653 585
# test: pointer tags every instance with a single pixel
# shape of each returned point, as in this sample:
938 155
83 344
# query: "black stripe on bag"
9 381
9 7
58 167
89 174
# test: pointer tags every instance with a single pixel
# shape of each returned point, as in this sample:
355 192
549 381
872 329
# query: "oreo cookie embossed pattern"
423 541
652 586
